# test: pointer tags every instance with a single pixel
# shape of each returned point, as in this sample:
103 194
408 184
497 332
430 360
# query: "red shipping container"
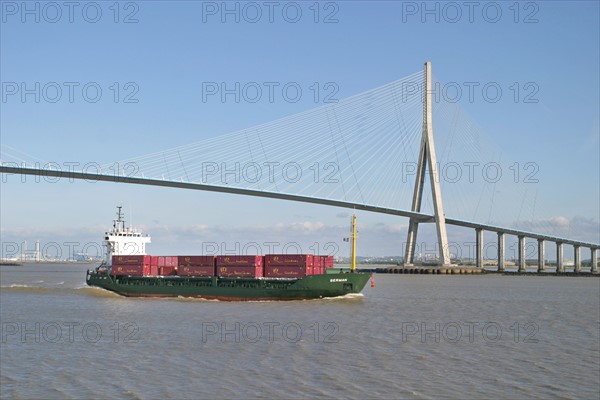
171 261
197 261
240 272
127 269
241 261
289 259
285 271
327 261
165 271
167 261
196 270
154 261
131 260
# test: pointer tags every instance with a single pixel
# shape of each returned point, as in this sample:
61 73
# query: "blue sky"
175 47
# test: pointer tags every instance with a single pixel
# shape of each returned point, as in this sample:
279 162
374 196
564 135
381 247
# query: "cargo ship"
129 271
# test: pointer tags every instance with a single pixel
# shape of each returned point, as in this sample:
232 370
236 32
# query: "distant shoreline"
23 263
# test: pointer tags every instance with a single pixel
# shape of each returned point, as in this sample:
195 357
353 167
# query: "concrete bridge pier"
479 248
541 262
500 251
594 259
522 255
577 261
559 257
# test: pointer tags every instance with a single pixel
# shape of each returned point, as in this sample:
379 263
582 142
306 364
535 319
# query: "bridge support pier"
522 260
577 259
427 160
594 259
541 261
500 251
559 257
479 248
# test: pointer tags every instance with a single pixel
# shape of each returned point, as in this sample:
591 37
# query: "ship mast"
119 223
353 247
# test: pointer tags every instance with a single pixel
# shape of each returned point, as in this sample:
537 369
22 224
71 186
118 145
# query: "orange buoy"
372 280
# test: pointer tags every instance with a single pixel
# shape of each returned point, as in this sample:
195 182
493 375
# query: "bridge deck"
284 196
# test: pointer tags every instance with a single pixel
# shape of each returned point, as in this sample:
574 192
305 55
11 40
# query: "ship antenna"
353 248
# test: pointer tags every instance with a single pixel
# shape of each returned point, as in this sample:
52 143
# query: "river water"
411 336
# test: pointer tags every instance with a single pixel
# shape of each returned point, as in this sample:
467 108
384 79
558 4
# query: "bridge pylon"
427 159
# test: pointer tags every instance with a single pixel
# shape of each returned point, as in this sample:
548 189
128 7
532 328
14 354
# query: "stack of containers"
239 266
288 265
167 265
153 265
196 266
318 265
327 262
131 265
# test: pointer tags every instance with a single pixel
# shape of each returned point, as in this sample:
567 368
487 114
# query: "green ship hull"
332 284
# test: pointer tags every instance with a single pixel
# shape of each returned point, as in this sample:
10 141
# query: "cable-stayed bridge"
374 151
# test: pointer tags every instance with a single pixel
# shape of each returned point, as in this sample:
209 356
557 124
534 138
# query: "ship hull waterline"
232 289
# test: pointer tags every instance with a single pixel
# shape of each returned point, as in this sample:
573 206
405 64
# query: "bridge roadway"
336 203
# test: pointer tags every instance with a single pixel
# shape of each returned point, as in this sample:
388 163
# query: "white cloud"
578 227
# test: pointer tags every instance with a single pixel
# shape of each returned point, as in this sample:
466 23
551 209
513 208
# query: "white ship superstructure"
124 241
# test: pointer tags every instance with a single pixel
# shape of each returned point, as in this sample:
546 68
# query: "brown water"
412 336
